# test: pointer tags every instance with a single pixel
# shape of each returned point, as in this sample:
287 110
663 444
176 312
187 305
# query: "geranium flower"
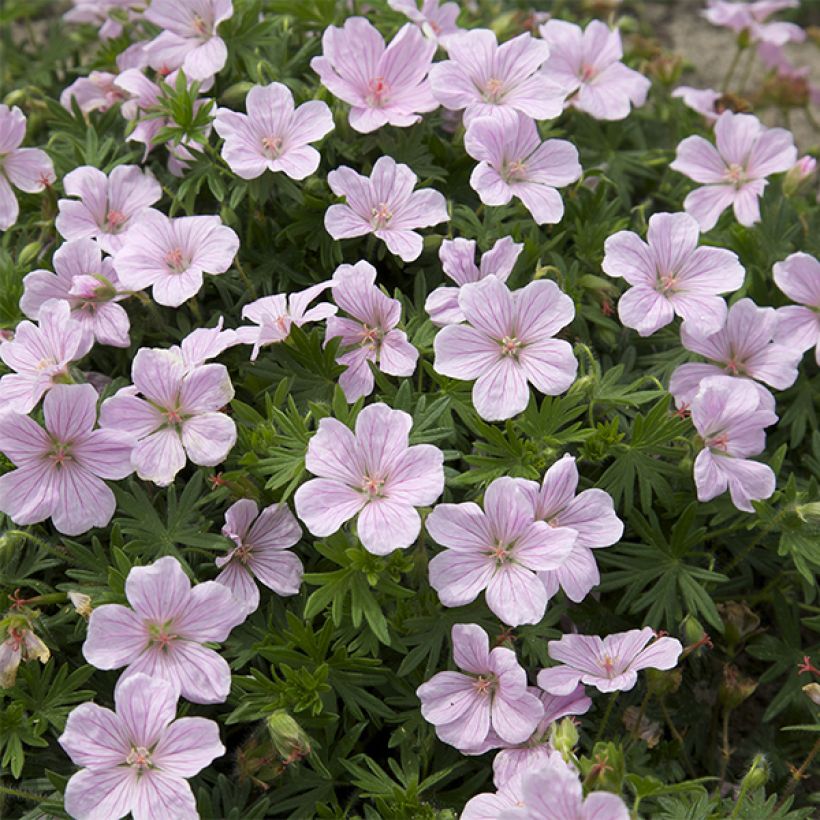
670 275
29 169
21 643
374 474
733 173
385 205
273 135
492 695
507 344
371 334
702 100
205 343
798 326
89 284
108 206
497 550
484 78
751 17
275 315
742 348
610 664
731 418
176 418
490 805
164 631
41 355
97 13
437 20
514 162
458 261
60 470
553 790
383 85
261 543
138 758
96 92
590 514
189 40
587 66
171 255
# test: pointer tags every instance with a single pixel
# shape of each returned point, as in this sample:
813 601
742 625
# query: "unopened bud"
735 688
288 738
758 773
802 171
809 513
29 253
81 603
564 737
738 622
812 691
663 682
692 629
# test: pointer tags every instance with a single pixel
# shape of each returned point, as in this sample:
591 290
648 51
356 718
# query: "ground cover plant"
407 410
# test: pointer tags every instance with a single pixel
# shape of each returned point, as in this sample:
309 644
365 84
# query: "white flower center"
272 147
380 216
139 757
377 93
493 90
176 261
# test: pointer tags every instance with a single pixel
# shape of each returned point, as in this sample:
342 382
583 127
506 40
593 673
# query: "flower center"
515 171
161 635
510 346
272 147
45 364
493 90
373 487
378 91
485 685
501 553
200 25
174 416
736 174
588 72
139 757
380 216
720 442
60 454
371 336
176 260
114 220
609 665
734 367
666 282
243 553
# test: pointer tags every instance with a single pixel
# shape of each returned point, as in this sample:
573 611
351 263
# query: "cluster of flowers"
529 540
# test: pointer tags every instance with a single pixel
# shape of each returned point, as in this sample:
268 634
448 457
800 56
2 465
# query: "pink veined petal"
334 453
405 244
459 577
710 270
645 310
604 806
30 169
704 314
471 648
798 276
208 438
205 388
382 437
489 306
559 680
130 414
463 527
342 222
542 201
9 208
708 203
146 706
159 457
83 501
549 365
542 547
515 719
187 746
164 795
578 651
468 731
385 525
627 255
417 477
542 310
238 579
463 352
446 697
502 391
558 489
209 614
736 135
100 794
206 60
700 161
592 515
491 188
174 288
485 140
22 439
798 327
28 495
95 737
70 410
116 636
157 374
397 356
660 654
324 505
516 596
577 575
158 592
278 570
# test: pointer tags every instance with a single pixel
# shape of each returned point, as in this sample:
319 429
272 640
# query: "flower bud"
288 737
692 630
758 773
809 513
812 691
29 253
735 688
738 622
798 174
662 682
81 603
564 737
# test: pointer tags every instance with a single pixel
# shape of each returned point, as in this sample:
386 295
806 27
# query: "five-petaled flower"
798 326
137 759
372 473
164 631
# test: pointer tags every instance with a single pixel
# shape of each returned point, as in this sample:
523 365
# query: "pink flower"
514 162
798 326
275 315
40 356
189 40
385 205
587 65
671 275
383 85
515 758
507 344
273 134
492 695
372 473
261 540
21 643
702 100
610 664
96 92
96 12
730 417
733 173
88 283
205 343
484 78
29 169
436 20
490 806
499 549
458 260
750 17
60 470
744 348
108 206
138 758
371 334
553 790
590 514
177 417
171 255
164 631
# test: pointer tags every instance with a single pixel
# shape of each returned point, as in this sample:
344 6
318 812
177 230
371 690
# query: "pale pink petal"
699 160
385 525
708 203
324 505
502 391
99 794
159 456
209 614
161 795
187 746
516 596
208 438
116 636
459 577
95 737
645 310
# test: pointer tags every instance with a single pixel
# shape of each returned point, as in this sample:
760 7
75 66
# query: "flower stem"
732 67
797 775
23 795
605 720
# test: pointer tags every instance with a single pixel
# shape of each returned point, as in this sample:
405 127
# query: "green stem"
678 737
192 303
39 541
732 67
23 795
725 750
754 542
797 775
634 735
747 72
45 600
605 720
245 278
